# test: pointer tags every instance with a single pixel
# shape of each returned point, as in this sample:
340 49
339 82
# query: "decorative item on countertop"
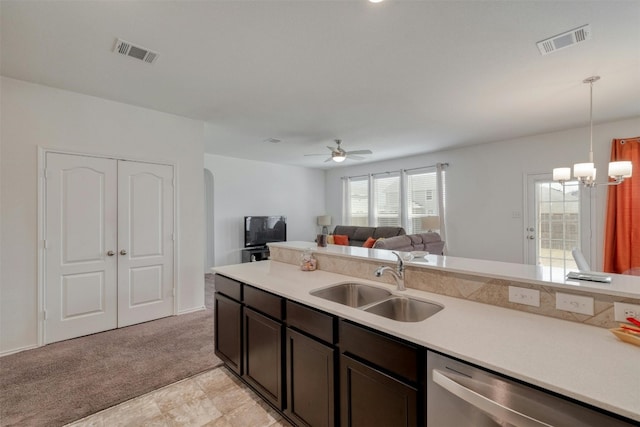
307 261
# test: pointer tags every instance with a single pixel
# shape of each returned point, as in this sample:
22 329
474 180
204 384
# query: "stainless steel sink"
404 309
353 294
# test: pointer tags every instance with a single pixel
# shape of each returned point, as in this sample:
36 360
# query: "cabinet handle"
485 404
123 252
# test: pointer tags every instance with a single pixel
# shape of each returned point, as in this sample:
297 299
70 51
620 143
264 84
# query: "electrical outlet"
574 303
524 296
622 310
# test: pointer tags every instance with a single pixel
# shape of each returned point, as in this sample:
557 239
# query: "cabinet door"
263 356
310 381
228 332
371 398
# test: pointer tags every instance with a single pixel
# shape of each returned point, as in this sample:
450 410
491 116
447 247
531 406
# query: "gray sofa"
430 242
358 235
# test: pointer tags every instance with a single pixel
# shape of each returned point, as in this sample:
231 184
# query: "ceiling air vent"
565 39
128 49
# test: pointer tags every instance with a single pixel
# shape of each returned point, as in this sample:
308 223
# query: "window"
412 199
357 201
386 200
422 185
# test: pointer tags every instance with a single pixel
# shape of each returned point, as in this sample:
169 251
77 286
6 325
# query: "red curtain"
622 231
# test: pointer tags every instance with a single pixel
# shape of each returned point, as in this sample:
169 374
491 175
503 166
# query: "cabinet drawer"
395 356
311 321
269 304
229 287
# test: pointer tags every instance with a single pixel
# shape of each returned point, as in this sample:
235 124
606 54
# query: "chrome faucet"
398 273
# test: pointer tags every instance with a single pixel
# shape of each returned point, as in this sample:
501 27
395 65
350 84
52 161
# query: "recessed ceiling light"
376 1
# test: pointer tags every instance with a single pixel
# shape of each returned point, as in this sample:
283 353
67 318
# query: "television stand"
259 253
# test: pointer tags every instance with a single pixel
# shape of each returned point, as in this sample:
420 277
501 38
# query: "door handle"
111 253
530 237
123 252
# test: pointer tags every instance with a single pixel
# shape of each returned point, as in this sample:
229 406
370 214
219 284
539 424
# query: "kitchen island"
582 362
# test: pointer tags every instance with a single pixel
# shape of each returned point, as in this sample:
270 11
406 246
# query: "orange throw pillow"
340 239
369 242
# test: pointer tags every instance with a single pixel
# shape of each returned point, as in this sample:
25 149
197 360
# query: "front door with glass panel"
556 223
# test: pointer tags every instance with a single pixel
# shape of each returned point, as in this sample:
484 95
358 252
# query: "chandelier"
586 172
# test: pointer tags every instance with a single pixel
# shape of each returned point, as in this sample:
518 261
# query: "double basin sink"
379 301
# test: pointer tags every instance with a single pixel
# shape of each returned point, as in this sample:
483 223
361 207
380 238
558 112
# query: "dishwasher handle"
485 404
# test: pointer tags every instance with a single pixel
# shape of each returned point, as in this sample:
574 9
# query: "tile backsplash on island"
471 287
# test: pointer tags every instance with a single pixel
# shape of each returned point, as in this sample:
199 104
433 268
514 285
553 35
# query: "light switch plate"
574 303
524 296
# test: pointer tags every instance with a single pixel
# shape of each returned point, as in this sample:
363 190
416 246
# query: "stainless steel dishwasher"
461 395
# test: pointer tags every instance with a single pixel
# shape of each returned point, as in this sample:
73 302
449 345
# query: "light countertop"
583 362
625 286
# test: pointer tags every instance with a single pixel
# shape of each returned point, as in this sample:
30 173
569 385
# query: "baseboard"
192 310
17 350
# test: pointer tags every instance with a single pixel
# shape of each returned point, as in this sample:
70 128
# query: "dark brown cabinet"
380 379
263 356
372 398
263 344
228 322
228 332
310 367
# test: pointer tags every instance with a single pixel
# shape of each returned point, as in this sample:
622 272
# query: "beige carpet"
65 381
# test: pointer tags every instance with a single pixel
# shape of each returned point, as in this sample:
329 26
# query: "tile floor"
214 398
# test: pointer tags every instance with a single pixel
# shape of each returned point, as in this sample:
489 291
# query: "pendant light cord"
591 119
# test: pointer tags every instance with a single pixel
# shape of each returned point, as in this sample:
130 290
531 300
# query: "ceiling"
399 77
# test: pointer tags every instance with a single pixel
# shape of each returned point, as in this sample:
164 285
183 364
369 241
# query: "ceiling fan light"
339 158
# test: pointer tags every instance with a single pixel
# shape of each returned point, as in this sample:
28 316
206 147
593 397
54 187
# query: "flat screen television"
260 230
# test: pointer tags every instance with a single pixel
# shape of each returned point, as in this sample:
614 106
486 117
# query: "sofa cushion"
362 233
430 242
397 243
345 229
388 232
369 242
341 239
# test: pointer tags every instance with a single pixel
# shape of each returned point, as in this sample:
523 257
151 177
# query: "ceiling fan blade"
355 157
328 160
331 148
324 154
360 152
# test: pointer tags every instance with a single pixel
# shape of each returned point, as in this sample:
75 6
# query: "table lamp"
324 221
431 223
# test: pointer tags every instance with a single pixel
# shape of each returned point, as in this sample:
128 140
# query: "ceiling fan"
340 155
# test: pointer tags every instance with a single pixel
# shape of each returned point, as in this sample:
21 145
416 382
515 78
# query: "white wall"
485 185
34 115
246 187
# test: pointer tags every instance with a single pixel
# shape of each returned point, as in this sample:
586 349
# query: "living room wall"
486 185
247 187
35 115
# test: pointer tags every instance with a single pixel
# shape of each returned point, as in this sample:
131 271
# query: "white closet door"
80 276
145 242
